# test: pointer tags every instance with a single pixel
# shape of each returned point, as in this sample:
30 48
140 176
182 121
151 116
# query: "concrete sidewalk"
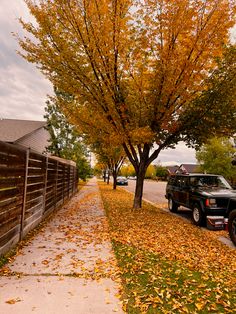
68 267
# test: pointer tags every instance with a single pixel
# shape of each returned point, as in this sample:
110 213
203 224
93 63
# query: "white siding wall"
37 140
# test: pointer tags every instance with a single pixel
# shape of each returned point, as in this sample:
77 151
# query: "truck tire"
198 215
172 206
232 226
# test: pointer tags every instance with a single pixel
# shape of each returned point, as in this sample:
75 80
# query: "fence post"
75 183
63 182
24 195
45 184
72 179
68 181
56 192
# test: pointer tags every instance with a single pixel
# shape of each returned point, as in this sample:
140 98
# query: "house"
172 169
188 168
26 133
183 168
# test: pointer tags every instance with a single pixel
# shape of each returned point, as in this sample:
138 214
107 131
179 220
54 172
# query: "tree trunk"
104 175
108 177
114 174
140 160
139 185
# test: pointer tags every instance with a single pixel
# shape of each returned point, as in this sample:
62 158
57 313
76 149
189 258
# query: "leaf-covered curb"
166 263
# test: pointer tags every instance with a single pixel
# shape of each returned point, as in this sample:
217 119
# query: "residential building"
25 133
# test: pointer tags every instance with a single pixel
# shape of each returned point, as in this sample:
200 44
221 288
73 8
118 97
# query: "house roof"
172 169
12 130
187 168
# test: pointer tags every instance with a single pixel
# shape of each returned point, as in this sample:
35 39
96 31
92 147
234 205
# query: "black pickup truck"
205 195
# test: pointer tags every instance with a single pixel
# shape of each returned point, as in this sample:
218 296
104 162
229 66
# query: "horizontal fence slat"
8 193
10 203
9 160
34 186
35 179
11 172
9 224
11 149
36 156
10 182
34 171
8 236
10 213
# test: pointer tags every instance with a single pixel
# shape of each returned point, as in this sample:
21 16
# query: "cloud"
23 89
181 154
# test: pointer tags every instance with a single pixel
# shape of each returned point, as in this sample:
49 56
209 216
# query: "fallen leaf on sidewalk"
13 301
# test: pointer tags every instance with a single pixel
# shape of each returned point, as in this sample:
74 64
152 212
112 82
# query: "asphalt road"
153 191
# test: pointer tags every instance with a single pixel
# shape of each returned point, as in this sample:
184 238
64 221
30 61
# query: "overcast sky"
23 89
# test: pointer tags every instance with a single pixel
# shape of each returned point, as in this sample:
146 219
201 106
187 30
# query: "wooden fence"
31 187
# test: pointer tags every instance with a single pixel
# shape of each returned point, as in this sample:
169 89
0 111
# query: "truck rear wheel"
198 215
172 206
232 226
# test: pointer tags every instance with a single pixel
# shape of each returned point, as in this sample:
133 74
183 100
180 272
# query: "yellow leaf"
13 301
199 306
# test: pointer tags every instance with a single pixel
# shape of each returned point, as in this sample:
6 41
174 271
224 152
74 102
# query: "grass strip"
168 265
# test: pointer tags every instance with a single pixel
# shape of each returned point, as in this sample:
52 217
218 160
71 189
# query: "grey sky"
24 90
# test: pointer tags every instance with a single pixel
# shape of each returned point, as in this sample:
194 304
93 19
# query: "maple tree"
134 67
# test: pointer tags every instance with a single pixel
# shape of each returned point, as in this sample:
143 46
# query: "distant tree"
98 169
65 141
216 156
150 172
107 152
83 166
137 68
161 172
111 157
127 170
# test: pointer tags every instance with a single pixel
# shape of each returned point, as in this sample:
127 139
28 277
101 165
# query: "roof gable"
12 130
188 168
172 169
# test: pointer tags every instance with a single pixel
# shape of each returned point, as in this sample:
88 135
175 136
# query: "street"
153 191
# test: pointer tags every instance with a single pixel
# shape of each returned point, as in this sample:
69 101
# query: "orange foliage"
130 64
